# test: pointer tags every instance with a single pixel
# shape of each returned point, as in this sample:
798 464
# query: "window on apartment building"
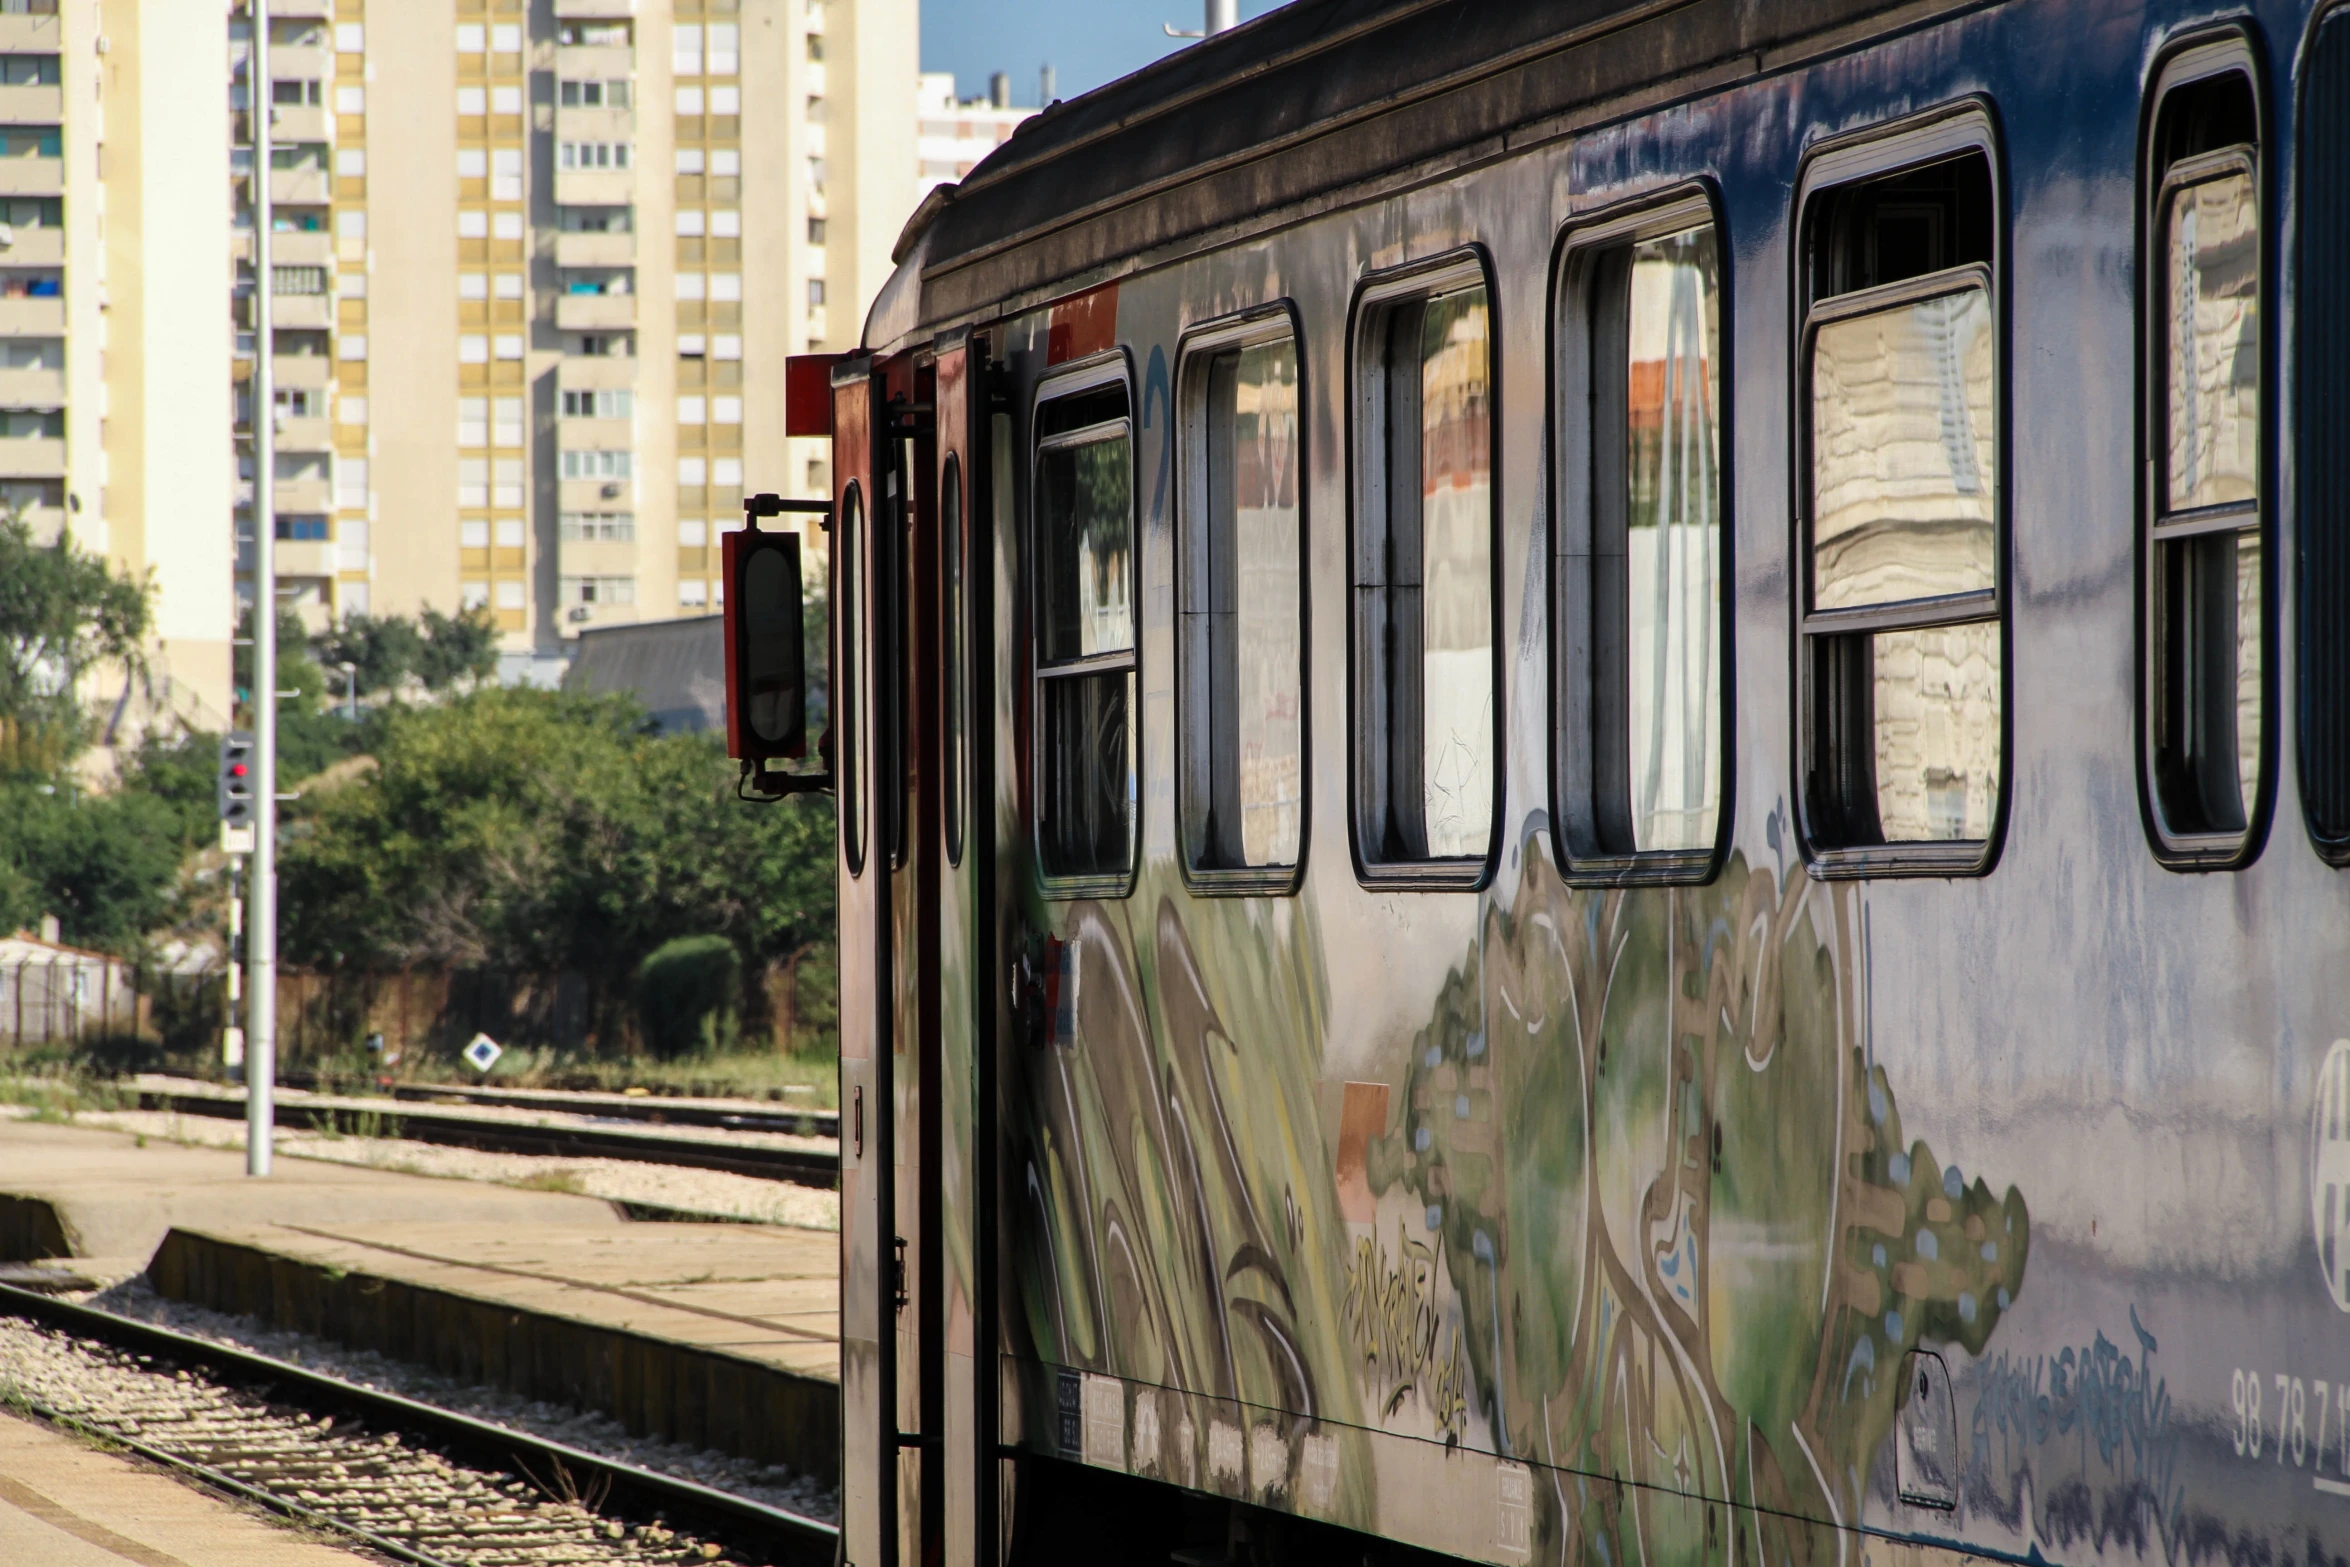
693 593
32 424
296 95
586 155
351 162
692 409
726 100
815 231
473 533
597 590
685 49
506 414
599 403
25 284
299 402
510 595
593 94
473 100
32 353
29 70
289 343
724 53
473 481
815 293
602 345
503 100
473 421
350 38
689 160
598 220
33 212
302 529
473 595
31 141
593 35
297 280
298 155
692 345
506 38
302 467
816 47
597 527
297 32
599 464
352 410
24 494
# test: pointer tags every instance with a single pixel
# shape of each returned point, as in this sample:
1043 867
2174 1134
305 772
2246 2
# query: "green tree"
104 864
63 611
457 648
383 649
312 733
548 831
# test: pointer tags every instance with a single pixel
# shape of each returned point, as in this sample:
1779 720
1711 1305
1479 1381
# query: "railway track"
415 1483
499 1130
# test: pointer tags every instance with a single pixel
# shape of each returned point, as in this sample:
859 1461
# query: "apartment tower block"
536 269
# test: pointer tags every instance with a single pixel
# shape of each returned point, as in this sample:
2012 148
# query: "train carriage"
1592 763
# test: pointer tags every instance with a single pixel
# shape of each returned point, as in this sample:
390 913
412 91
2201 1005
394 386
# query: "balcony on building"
594 373
289 10
33 314
33 385
593 10
594 62
595 187
294 248
31 247
32 174
32 105
573 124
314 496
289 312
305 185
595 250
294 122
305 435
304 558
30 456
596 300
595 494
31 32
301 63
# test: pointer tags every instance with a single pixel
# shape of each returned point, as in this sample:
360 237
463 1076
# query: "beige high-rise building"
113 262
537 269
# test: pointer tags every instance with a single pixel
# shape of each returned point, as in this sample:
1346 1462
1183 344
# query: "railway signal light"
236 791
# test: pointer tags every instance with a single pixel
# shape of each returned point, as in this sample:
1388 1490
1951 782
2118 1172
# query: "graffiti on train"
1630 1202
2107 1414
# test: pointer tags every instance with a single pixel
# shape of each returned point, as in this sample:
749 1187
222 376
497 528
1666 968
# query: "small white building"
952 134
51 993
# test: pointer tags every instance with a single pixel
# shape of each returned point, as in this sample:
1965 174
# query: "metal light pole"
1221 17
261 937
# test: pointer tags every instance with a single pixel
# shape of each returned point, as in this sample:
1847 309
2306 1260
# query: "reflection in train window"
1903 642
2321 322
1424 615
2205 578
1242 609
954 656
1647 579
848 544
1085 645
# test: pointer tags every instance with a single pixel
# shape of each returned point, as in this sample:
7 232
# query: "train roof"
1318 99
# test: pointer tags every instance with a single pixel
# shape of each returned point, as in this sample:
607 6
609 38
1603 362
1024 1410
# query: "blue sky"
1088 42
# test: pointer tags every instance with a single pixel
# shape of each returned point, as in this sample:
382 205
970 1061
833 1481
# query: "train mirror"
767 674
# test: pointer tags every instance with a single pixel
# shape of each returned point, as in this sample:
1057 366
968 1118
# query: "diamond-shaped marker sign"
483 1052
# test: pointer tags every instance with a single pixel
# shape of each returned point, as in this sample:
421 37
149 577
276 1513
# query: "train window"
1640 736
1425 679
1242 620
1902 627
1085 637
2205 574
2322 354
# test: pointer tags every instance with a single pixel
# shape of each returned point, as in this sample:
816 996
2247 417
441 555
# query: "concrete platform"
98 1196
66 1505
719 1335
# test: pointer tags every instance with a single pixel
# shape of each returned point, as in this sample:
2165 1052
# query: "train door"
917 1388
917 865
865 780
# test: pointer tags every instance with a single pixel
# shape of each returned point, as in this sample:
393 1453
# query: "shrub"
689 996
